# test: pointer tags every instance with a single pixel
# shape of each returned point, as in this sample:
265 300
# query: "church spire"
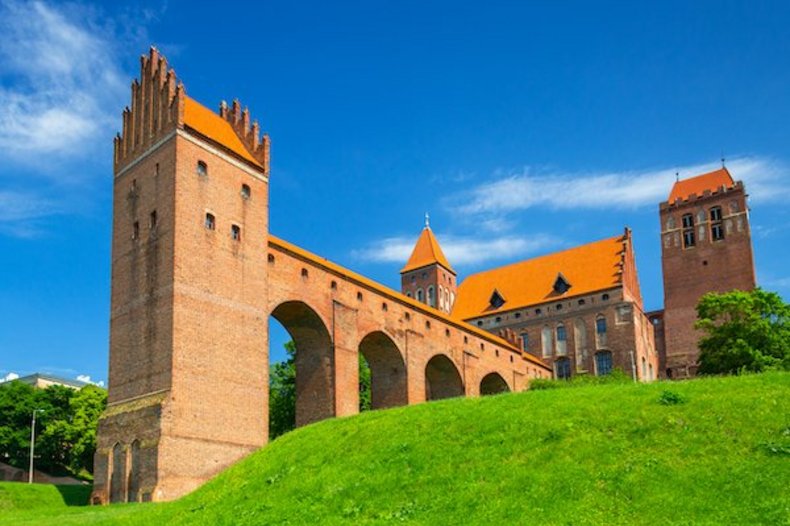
427 275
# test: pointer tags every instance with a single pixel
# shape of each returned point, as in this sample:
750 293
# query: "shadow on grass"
75 494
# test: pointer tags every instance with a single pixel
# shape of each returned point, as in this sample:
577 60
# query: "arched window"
545 341
644 368
420 295
688 231
580 340
670 223
431 296
600 331
525 341
246 193
441 298
603 363
211 222
563 368
202 169
562 343
650 371
716 229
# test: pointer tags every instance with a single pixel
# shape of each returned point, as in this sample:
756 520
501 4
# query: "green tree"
65 429
744 331
282 392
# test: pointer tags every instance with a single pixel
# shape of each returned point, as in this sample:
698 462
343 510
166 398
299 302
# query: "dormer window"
496 300
561 285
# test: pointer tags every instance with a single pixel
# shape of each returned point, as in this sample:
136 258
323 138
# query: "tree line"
66 424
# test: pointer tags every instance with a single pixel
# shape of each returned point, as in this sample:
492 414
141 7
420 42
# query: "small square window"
202 169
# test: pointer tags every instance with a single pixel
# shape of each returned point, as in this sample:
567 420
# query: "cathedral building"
579 310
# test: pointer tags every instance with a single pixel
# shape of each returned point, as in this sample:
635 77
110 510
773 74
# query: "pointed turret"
427 275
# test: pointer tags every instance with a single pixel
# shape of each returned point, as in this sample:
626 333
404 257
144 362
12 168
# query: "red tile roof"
711 181
211 125
426 252
587 268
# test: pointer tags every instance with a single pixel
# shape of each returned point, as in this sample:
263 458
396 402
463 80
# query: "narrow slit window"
152 220
235 232
211 222
136 230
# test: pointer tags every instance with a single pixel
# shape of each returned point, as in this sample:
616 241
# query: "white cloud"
61 81
9 377
765 178
459 250
87 379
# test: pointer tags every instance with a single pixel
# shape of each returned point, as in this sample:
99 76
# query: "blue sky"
522 127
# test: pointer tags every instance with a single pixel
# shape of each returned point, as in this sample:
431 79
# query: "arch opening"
442 379
118 473
387 370
493 383
133 484
313 361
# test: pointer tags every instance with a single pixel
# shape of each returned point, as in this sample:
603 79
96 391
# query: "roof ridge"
535 258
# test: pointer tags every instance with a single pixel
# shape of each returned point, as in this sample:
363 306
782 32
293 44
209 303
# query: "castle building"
579 310
706 246
196 275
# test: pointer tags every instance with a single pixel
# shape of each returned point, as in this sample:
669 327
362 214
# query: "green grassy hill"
610 454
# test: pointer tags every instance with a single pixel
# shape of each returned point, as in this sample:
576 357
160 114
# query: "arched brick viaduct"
195 278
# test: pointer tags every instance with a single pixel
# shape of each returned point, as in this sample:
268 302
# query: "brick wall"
708 266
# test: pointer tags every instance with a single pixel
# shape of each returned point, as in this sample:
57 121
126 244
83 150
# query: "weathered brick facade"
706 247
581 333
195 277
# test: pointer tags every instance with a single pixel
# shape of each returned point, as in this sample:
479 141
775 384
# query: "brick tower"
706 247
428 276
188 326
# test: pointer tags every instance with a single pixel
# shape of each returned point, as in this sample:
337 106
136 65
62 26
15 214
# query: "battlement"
157 108
249 133
694 198
160 105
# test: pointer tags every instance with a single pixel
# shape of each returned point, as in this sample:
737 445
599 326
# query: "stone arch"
442 379
387 370
493 383
117 472
133 482
315 375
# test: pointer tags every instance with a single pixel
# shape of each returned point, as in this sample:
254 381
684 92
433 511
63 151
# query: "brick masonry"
195 277
708 266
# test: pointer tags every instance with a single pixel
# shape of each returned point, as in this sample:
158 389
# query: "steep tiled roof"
426 252
587 268
697 185
211 125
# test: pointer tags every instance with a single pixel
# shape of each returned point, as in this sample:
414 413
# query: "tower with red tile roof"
427 275
189 280
706 246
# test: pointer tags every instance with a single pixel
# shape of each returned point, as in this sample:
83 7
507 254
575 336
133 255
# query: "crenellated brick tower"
189 251
706 246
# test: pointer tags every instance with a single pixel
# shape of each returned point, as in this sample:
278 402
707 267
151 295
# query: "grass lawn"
716 451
